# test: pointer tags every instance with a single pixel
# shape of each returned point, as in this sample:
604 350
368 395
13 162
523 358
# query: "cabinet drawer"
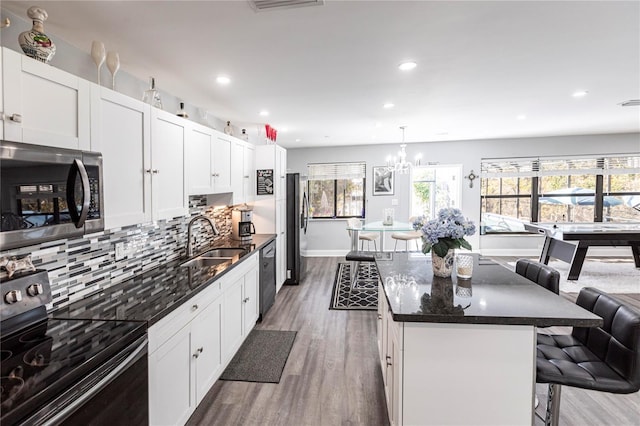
168 326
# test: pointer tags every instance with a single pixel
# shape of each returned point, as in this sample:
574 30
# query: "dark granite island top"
494 295
151 295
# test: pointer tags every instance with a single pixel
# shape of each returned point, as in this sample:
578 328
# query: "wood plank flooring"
333 377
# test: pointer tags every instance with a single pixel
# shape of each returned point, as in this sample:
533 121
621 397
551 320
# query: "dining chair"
407 236
354 222
605 358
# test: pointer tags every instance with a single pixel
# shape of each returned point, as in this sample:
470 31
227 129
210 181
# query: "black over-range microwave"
48 193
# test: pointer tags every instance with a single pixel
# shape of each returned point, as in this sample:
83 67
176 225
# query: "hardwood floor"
332 376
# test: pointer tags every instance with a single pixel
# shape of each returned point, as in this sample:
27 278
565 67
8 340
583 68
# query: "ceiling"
324 72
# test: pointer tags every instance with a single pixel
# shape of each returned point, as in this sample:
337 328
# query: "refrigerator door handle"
305 211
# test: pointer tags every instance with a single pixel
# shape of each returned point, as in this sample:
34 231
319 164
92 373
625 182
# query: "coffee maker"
242 225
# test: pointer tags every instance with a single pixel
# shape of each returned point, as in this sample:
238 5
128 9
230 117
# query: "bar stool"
603 358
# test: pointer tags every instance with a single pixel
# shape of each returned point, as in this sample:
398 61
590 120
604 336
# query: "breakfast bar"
463 351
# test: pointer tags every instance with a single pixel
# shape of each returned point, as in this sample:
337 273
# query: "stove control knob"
13 296
35 289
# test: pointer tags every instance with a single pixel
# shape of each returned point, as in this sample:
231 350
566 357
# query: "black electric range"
55 370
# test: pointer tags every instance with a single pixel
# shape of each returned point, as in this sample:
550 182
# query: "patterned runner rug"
364 296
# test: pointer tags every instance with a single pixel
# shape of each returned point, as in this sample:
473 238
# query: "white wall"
329 237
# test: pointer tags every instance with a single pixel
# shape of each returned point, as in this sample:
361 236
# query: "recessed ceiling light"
580 94
521 117
388 105
298 140
406 66
264 113
223 80
378 125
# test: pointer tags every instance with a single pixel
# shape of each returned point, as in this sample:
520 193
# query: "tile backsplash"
81 266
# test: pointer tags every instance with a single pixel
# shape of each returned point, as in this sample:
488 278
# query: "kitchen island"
457 351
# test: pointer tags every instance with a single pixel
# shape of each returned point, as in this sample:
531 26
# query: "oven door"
117 393
48 193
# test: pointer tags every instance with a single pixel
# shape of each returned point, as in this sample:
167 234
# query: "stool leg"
375 246
552 416
395 247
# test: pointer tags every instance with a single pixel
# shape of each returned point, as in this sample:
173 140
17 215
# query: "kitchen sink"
224 252
202 262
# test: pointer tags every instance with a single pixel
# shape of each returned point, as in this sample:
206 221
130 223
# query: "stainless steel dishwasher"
267 278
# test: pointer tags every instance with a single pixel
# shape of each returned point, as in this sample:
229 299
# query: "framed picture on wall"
383 180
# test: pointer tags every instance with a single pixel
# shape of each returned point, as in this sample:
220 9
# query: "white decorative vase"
442 266
35 43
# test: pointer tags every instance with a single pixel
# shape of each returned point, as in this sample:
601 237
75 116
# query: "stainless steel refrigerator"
297 222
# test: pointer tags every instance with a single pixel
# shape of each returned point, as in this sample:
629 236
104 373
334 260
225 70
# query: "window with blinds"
337 190
587 188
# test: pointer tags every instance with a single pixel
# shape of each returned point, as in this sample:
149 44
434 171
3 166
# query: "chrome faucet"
195 219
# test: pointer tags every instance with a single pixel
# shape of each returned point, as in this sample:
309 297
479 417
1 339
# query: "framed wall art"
383 181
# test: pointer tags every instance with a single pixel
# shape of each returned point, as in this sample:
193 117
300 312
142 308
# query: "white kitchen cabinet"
44 105
241 305
168 181
222 162
389 346
206 348
243 172
121 124
171 394
200 167
269 211
190 347
250 300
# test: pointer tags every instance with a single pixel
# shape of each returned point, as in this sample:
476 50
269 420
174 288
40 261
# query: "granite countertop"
494 295
152 295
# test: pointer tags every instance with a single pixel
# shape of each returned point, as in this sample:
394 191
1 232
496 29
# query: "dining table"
378 226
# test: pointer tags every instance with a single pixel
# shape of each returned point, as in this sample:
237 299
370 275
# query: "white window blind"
330 171
560 166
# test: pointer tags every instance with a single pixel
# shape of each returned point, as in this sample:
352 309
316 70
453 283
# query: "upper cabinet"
243 172
44 105
222 162
120 124
209 162
168 181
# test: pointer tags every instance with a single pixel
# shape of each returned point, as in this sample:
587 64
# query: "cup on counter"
464 265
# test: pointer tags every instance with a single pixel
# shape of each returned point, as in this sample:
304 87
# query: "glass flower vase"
442 266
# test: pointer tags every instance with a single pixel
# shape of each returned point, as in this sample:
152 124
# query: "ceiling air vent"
632 102
262 5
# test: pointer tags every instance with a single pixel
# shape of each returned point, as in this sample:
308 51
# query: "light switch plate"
394 202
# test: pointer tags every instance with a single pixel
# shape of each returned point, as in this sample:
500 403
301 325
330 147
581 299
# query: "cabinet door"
120 124
251 301
53 106
169 192
280 172
382 331
171 394
249 174
232 314
206 348
222 164
200 156
281 242
237 172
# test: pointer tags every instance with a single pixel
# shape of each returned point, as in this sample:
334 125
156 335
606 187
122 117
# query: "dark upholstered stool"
539 273
356 257
603 358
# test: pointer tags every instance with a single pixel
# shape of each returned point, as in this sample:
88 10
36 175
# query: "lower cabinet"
190 347
390 348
